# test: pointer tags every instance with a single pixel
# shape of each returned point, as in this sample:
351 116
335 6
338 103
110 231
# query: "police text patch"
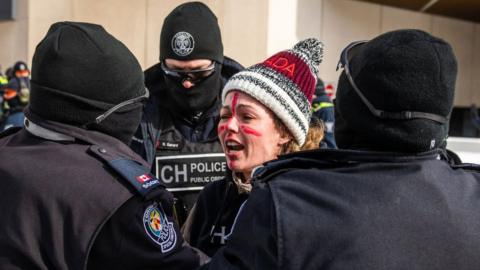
190 172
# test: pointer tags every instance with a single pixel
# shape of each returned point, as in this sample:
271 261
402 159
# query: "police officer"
3 79
390 199
73 194
178 133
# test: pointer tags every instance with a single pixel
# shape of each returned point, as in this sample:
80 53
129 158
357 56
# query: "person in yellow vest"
3 78
16 96
3 83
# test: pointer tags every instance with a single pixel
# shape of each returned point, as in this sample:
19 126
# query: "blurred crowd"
14 94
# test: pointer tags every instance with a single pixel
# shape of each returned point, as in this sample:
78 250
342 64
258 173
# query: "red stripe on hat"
295 69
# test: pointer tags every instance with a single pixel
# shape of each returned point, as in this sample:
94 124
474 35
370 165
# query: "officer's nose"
187 84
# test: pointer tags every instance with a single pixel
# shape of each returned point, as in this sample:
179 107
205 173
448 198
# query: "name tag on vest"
169 146
190 172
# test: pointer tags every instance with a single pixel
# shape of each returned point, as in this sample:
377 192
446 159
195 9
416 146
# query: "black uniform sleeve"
252 244
129 241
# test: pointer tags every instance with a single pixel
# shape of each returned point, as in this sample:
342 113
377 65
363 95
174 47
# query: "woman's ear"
284 138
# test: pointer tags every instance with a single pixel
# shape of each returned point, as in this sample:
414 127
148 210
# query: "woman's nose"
232 124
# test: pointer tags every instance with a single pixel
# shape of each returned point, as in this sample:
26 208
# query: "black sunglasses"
104 115
194 76
345 58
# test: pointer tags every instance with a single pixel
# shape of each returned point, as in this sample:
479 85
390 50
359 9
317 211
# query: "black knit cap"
403 70
189 32
78 72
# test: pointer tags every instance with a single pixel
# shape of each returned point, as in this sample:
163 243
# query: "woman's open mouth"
233 146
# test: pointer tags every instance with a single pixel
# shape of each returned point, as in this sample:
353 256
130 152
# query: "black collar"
91 137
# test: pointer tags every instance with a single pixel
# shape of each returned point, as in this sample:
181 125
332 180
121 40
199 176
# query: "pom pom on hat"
312 49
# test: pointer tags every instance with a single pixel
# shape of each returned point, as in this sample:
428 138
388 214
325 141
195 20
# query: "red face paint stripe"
233 107
221 128
234 103
251 131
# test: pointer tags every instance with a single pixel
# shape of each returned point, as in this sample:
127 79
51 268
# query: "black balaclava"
191 32
403 70
79 71
196 99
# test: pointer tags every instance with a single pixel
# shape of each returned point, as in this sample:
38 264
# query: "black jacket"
330 209
82 200
215 212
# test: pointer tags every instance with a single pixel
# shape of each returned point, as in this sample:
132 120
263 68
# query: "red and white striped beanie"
284 83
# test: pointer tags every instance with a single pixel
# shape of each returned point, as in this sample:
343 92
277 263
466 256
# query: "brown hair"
312 141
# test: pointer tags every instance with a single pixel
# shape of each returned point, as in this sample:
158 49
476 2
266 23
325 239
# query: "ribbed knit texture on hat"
284 83
79 71
402 70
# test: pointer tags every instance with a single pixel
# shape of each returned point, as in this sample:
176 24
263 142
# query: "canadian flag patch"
143 178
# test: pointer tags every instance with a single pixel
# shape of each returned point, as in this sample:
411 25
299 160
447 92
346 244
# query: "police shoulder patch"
158 228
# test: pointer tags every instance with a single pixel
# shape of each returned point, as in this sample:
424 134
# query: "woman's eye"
224 116
247 117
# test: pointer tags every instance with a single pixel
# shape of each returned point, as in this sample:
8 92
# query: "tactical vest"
185 167
182 165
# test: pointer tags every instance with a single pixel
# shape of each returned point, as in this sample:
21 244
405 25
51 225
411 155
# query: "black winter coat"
215 211
69 201
333 210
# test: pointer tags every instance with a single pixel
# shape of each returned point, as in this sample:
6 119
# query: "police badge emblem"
183 43
158 228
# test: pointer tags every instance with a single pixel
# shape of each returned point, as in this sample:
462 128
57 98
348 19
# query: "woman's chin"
236 167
